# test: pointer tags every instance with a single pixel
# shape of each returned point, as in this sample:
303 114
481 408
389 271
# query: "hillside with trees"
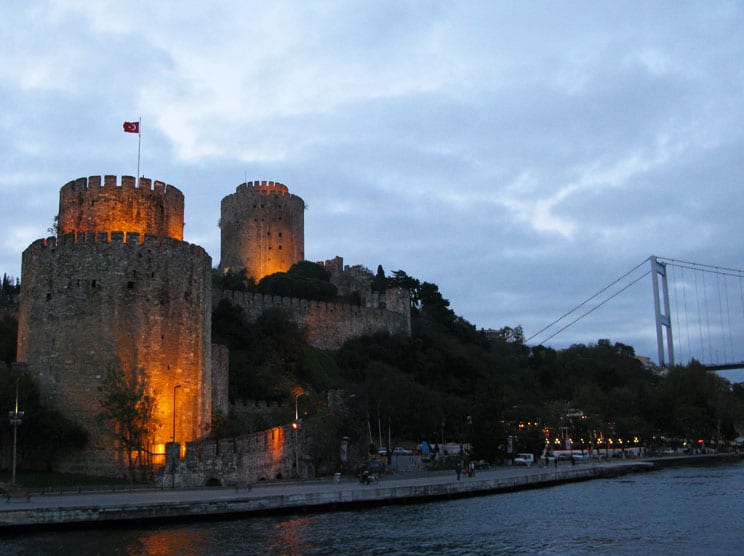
450 382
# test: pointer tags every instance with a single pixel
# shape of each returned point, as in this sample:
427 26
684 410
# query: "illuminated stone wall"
87 205
262 229
98 299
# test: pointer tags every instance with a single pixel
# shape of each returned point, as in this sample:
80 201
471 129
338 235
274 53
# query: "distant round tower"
263 229
118 289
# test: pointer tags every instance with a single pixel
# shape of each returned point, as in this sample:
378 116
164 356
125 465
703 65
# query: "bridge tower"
663 320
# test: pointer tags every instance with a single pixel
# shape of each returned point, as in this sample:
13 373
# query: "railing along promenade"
95 507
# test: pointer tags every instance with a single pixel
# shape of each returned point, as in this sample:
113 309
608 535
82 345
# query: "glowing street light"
296 428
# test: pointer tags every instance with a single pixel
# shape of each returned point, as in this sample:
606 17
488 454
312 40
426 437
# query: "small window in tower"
130 285
280 248
280 234
48 297
269 247
268 234
92 283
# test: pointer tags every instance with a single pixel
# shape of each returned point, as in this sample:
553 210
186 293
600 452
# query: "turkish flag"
131 127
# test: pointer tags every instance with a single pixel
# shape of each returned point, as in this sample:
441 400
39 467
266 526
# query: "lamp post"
174 455
296 427
297 415
15 420
176 387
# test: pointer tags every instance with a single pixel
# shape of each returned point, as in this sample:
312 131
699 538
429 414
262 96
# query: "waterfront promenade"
148 505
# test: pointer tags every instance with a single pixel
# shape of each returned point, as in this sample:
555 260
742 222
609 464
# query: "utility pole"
16 418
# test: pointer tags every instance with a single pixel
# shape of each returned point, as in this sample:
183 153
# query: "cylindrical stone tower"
119 289
263 229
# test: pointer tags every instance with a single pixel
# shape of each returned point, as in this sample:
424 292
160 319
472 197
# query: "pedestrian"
555 462
458 470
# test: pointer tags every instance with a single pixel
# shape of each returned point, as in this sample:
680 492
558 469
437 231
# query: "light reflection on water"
693 510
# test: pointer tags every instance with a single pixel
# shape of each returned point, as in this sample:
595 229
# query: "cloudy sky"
520 155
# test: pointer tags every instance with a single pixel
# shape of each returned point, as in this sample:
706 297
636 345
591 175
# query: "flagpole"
139 145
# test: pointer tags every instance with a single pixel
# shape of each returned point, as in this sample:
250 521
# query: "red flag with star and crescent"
131 127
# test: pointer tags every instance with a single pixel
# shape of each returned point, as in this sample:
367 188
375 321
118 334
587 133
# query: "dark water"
687 510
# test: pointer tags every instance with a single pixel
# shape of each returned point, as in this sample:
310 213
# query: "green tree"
8 338
127 405
380 282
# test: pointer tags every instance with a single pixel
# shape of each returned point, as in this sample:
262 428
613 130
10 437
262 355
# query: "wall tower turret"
262 229
118 289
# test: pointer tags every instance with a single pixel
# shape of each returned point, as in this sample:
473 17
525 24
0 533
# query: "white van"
524 459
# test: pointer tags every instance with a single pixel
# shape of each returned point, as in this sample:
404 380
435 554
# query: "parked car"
524 459
548 460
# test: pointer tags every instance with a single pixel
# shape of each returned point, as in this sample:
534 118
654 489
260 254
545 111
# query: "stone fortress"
119 288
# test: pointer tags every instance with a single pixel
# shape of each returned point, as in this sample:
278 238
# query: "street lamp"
297 415
15 420
296 427
176 387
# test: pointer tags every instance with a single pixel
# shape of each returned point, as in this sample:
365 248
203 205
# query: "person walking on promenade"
458 470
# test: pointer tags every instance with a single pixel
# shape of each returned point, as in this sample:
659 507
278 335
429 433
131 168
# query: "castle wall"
331 324
262 229
87 205
261 456
93 301
220 374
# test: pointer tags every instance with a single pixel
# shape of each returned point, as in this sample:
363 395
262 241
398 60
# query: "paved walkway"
71 509
56 509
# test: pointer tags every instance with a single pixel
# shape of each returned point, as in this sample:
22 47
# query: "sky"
520 155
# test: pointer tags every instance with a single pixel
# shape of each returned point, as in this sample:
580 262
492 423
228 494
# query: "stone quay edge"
157 505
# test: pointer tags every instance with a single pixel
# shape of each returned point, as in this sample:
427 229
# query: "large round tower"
263 229
119 289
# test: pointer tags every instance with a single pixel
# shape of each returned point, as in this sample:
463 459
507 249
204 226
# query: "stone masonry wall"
262 229
93 301
331 324
262 456
86 205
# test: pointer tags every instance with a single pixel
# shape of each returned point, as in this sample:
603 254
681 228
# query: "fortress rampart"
330 324
262 229
94 301
88 205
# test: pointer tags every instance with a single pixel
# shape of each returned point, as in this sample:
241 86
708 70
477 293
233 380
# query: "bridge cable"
702 267
720 316
728 319
577 319
580 305
687 318
707 318
699 320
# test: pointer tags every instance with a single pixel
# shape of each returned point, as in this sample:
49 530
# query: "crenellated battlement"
105 203
263 187
93 185
262 228
110 238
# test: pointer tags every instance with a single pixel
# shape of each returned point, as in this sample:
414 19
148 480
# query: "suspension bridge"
698 311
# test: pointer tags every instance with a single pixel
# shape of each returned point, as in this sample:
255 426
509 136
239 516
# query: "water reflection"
290 537
165 542
684 510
